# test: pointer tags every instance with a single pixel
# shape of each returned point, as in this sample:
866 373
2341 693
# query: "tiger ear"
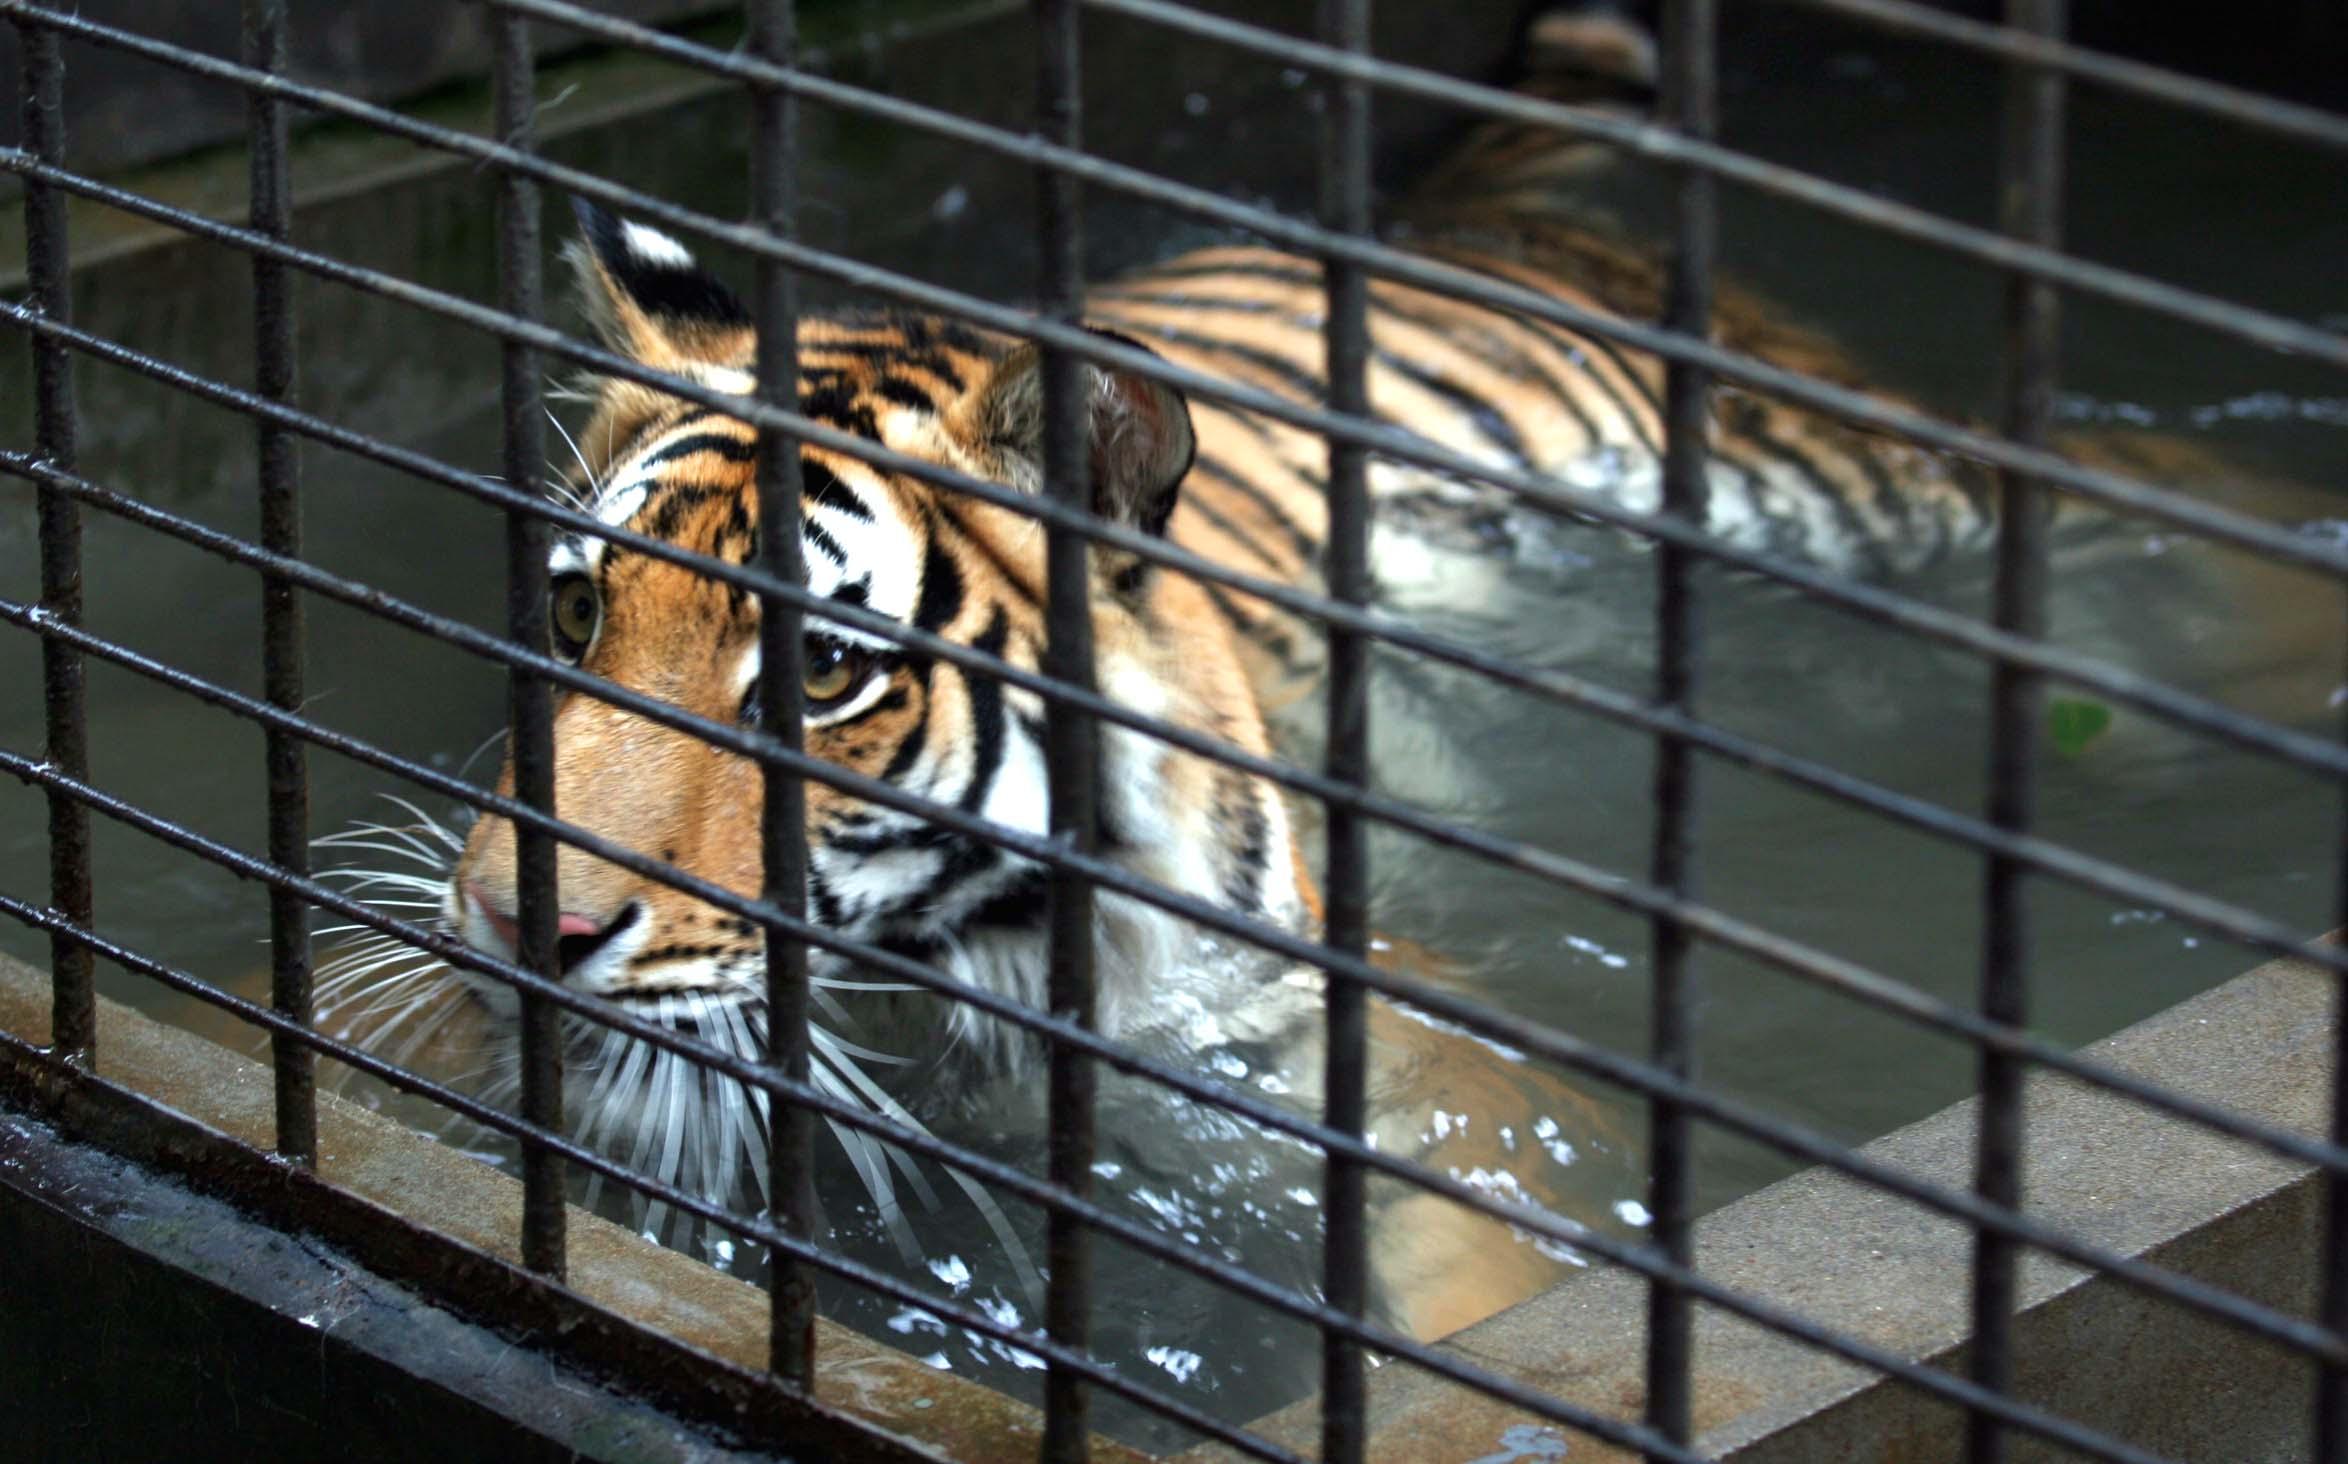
1137 431
647 298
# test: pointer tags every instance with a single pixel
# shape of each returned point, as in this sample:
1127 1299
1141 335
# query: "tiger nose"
576 936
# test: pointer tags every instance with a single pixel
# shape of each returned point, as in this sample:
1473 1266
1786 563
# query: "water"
2189 201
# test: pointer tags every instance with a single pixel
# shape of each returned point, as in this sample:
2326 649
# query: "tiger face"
918 555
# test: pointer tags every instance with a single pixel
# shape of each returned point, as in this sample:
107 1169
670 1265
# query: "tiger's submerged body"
1240 490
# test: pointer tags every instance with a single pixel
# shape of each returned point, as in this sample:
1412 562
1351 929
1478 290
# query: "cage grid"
2026 248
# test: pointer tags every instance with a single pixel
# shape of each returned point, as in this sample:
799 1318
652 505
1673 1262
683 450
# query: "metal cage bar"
2212 99
293 1065
2031 201
1071 736
530 718
1690 102
1346 126
1843 404
773 27
73 1021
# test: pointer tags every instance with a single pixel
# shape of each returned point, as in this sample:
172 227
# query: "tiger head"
917 554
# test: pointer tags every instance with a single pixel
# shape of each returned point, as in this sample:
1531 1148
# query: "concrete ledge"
1881 1269
379 1163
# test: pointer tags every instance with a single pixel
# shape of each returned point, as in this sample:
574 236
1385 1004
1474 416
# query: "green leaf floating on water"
2075 724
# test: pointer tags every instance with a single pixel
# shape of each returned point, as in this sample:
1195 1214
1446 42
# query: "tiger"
1240 490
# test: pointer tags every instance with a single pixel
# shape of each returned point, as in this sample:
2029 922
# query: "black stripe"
1487 418
941 588
820 484
1481 414
1300 382
732 449
1307 547
986 714
817 535
901 761
1749 429
1198 504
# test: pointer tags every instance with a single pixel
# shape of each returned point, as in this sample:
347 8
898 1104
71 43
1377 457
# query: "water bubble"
1195 104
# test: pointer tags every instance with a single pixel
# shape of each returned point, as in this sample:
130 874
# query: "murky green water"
2189 201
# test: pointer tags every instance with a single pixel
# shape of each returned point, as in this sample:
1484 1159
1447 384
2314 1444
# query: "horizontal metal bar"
1650 140
529 1134
1788 1322
1175 1252
2135 78
1462 283
1818 967
1939 625
1557 686
601 1010
1908 614
1577 1054
885 962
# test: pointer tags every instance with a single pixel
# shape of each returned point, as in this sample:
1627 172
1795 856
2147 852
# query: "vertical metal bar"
2029 208
293 1065
73 1020
1345 204
774 186
1689 104
1072 738
531 724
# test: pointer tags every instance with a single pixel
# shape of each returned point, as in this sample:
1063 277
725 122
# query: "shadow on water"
1797 675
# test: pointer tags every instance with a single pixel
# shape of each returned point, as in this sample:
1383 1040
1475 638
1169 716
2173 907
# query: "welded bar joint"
530 724
774 184
1689 98
2030 209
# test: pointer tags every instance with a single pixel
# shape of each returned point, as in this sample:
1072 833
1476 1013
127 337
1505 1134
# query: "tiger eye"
576 613
833 669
